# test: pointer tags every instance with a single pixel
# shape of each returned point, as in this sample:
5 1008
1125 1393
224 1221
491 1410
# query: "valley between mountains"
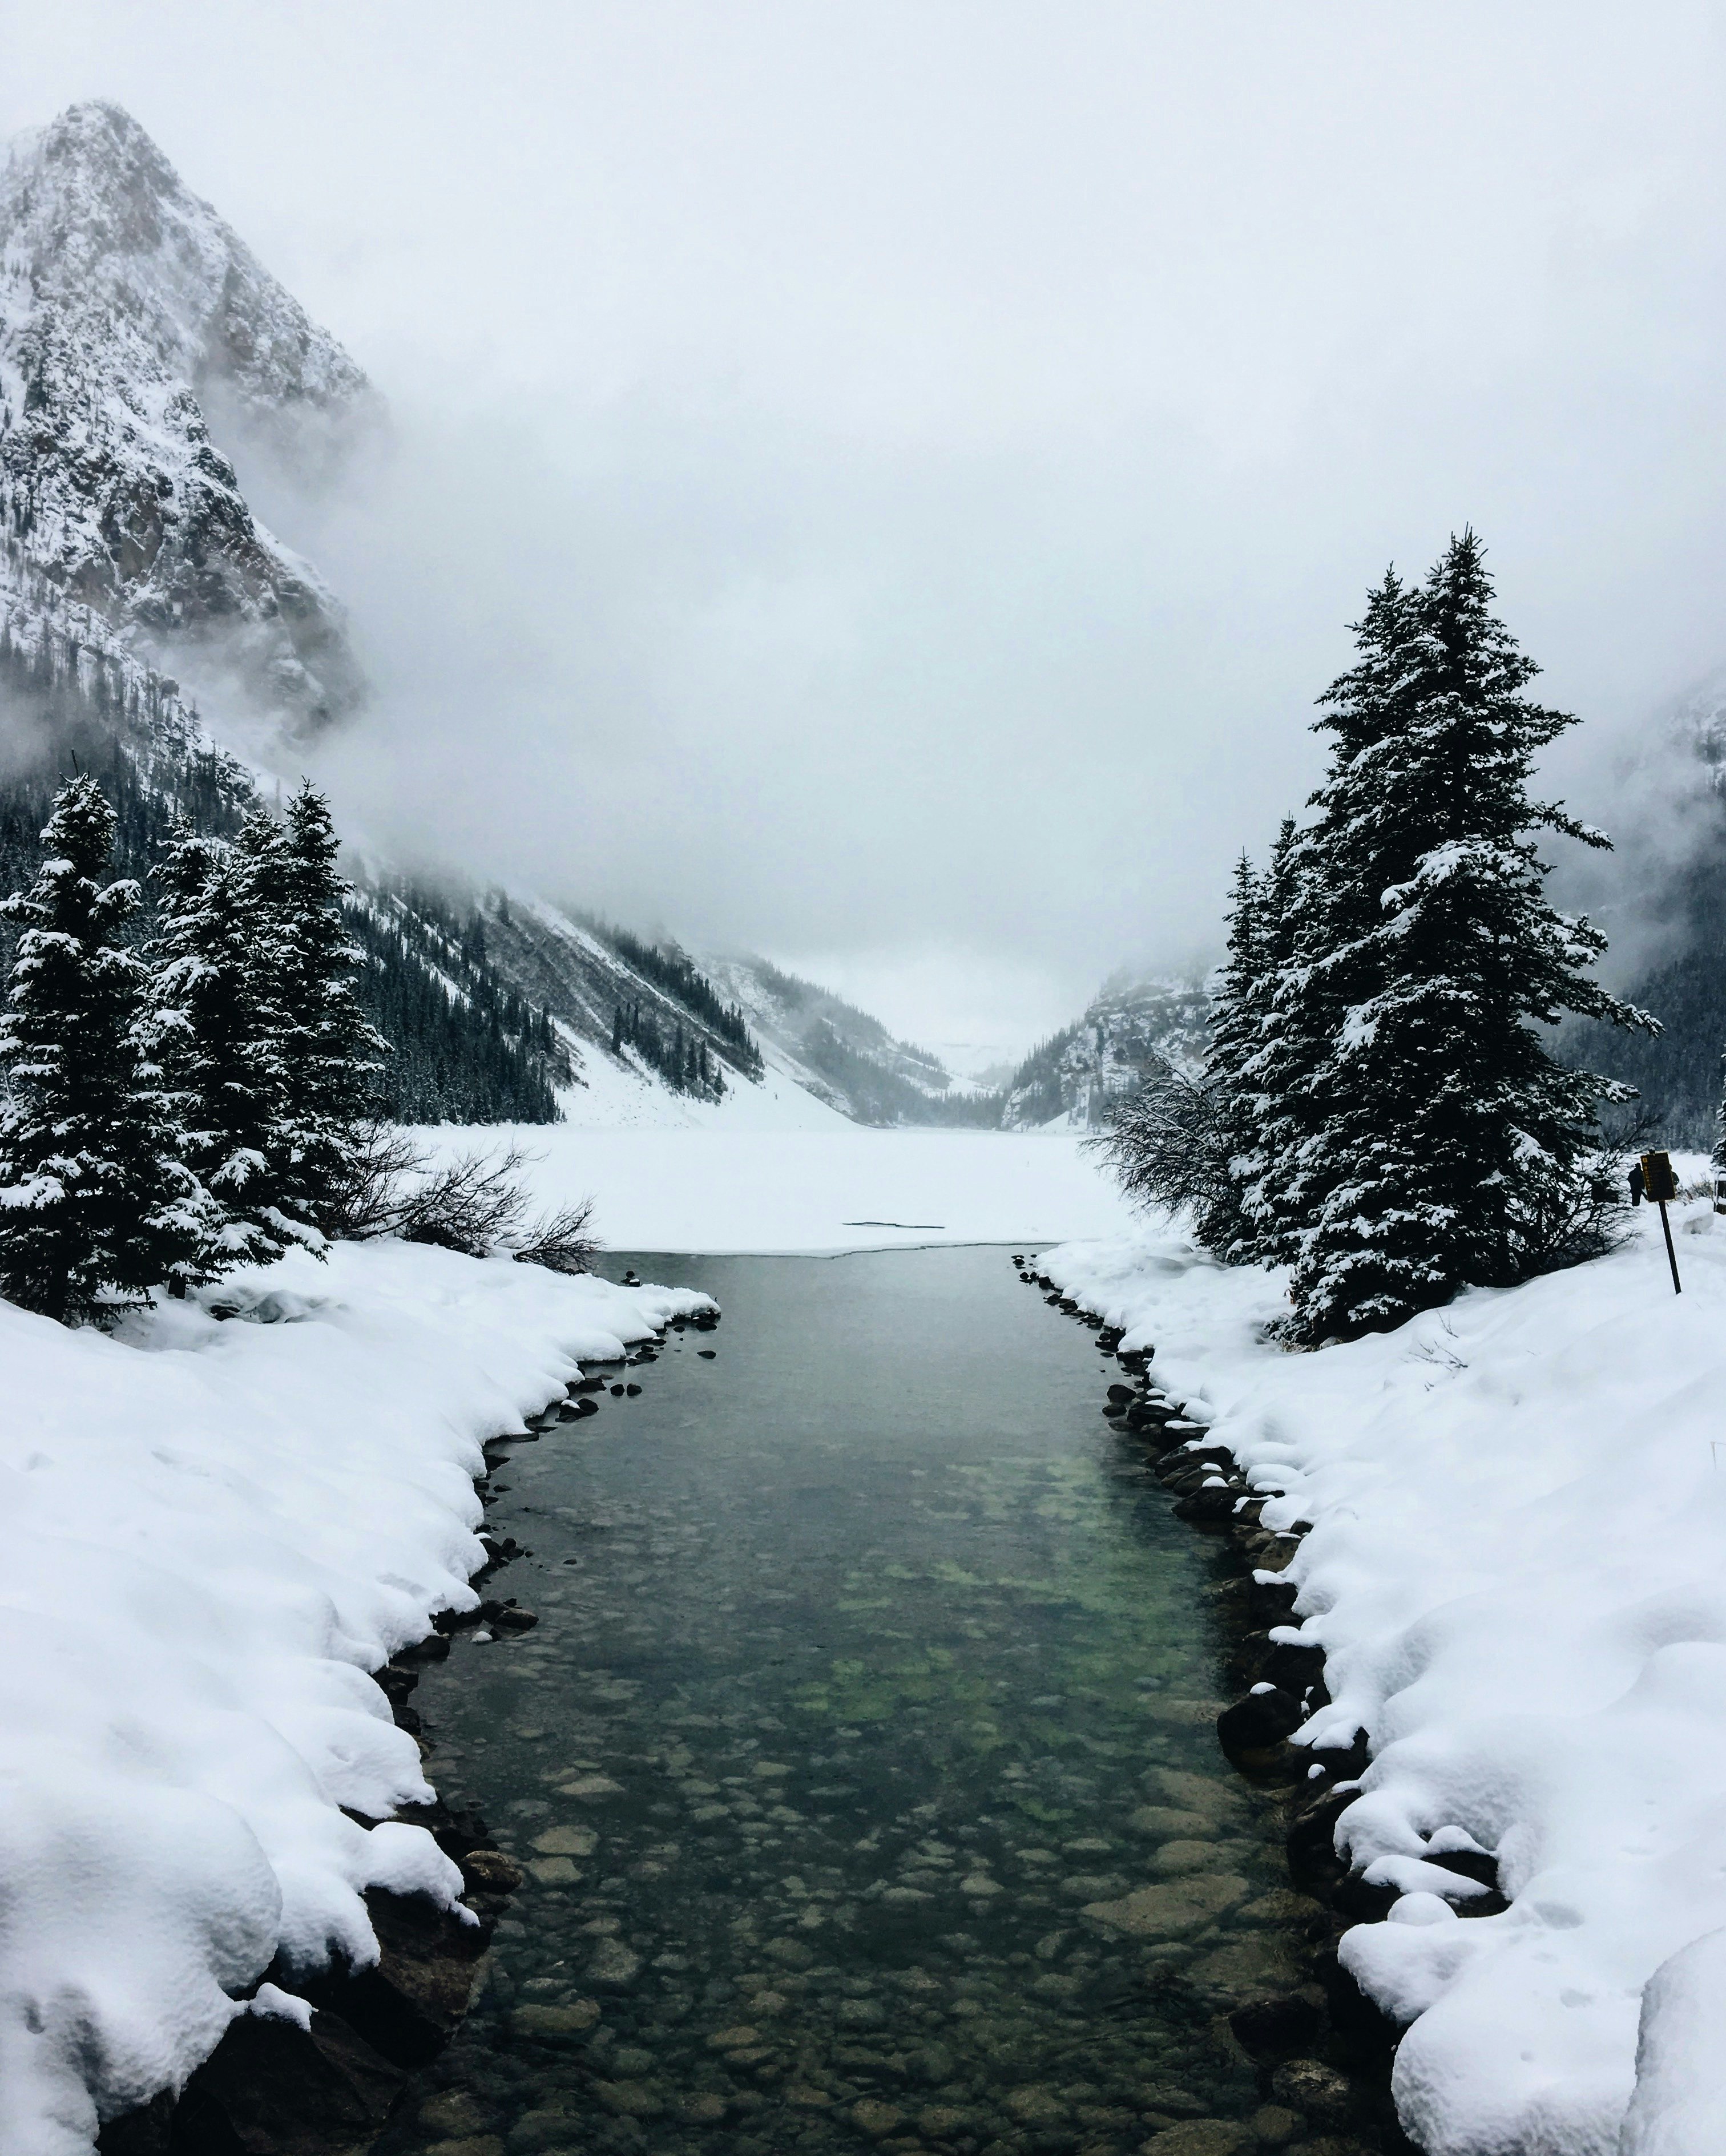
564 1596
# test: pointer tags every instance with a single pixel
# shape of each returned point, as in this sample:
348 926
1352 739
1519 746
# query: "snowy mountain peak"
99 221
127 307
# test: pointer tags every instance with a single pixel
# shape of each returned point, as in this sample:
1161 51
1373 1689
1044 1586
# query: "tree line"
208 1096
175 1111
482 1055
1381 1109
680 978
681 1061
466 1047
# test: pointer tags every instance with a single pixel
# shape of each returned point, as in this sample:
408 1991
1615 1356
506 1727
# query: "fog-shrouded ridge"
892 487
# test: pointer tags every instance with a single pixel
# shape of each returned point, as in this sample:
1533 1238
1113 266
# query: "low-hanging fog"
883 486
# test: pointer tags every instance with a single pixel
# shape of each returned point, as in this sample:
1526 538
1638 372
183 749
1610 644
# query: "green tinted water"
870 1668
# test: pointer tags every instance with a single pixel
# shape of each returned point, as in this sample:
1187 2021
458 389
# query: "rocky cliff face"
1076 1076
127 306
141 596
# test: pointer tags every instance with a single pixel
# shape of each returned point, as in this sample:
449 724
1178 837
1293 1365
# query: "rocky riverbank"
1322 2048
321 2060
862 1768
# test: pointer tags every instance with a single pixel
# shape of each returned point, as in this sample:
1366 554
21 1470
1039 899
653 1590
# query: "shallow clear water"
870 1656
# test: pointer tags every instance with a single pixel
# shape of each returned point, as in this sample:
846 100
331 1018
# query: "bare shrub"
380 1158
1168 1145
559 1241
1586 1217
477 1205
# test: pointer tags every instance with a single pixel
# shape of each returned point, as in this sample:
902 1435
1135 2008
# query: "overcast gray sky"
884 483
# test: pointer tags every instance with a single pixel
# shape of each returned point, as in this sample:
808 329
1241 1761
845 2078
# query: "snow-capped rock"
1130 1025
125 303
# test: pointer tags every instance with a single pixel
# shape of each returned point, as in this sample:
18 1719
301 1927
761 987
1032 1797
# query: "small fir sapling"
1240 991
1184 1142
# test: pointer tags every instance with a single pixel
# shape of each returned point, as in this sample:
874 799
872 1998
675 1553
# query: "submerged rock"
1326 2096
1172 1909
1201 2137
568 2019
614 1967
1279 2027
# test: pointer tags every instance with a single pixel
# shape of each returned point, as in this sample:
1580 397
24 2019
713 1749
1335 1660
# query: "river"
868 1657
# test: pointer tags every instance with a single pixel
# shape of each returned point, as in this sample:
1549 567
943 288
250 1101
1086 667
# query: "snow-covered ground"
1517 1569
213 1531
741 1181
610 1097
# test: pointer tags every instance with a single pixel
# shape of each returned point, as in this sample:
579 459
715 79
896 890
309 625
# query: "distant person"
1638 1184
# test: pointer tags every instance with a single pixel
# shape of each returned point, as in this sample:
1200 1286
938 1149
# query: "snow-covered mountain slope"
131 563
655 1035
125 305
1697 722
1074 1077
843 1055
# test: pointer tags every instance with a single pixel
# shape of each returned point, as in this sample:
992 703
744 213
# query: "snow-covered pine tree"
219 1026
1718 1158
1234 1028
95 1204
1320 901
1455 1147
1287 1044
332 1054
1181 1143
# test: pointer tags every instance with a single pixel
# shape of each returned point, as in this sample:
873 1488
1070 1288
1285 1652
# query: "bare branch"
476 1204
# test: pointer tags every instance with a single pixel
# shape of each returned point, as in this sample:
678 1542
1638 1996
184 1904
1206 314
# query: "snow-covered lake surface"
1517 1571
729 1186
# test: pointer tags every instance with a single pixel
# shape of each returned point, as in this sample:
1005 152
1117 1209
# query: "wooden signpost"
1661 1185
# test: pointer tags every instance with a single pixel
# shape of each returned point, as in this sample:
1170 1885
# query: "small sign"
1661 1186
1658 1181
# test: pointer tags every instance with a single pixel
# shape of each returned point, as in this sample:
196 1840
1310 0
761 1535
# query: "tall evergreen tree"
1287 1046
331 1053
219 1025
94 1202
1451 1146
1322 910
1234 1030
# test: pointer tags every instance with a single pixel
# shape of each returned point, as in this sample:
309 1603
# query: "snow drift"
213 1531
1517 1570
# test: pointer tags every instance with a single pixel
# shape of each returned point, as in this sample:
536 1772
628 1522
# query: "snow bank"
211 1532
1517 1570
839 1186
